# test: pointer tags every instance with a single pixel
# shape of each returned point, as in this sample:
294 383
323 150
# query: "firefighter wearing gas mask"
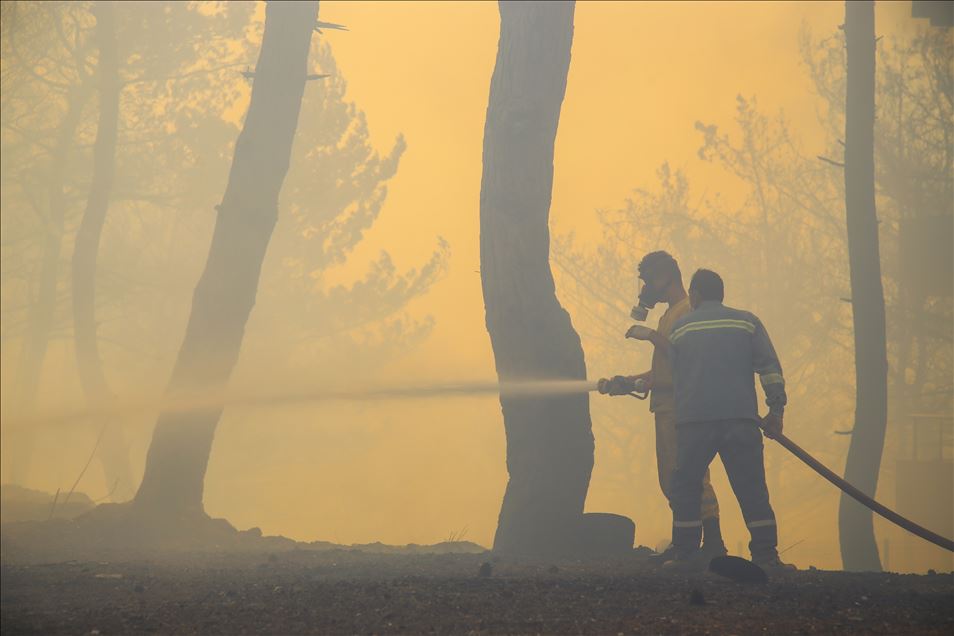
662 283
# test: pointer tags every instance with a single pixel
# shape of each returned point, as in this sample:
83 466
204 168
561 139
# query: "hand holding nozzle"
617 385
623 385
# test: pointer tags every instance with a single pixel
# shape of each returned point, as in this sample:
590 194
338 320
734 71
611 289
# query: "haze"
693 127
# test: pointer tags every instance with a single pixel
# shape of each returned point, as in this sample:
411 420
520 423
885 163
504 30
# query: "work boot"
666 555
714 549
712 543
694 561
774 564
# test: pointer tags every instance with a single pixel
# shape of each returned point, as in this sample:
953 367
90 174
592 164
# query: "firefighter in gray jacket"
716 350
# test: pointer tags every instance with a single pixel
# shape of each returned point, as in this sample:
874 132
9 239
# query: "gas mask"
646 300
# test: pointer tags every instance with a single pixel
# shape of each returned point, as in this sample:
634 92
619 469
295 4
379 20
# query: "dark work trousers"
739 444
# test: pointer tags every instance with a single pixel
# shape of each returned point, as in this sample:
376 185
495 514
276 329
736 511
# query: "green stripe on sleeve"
703 325
771 378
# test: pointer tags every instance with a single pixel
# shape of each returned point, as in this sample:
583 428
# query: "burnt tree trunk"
859 550
549 438
112 449
223 299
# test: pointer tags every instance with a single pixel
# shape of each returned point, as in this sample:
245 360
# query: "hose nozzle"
622 385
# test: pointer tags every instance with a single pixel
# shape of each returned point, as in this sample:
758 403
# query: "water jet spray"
525 388
221 399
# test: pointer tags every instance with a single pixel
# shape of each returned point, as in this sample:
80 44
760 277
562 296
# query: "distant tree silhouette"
28 41
224 297
112 447
859 550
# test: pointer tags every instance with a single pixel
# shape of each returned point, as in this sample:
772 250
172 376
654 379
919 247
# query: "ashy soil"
334 591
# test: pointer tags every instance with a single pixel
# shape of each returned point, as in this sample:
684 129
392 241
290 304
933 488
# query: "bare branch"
831 161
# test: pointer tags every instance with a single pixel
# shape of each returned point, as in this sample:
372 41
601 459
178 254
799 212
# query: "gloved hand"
639 332
617 385
772 425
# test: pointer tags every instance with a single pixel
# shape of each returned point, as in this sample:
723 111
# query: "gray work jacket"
716 350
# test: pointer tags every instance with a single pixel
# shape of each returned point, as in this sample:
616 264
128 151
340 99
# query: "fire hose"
861 497
623 386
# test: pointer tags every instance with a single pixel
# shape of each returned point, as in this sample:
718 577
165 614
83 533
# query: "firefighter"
715 352
662 282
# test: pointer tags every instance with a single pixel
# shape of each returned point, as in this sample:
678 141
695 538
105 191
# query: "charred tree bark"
859 550
549 439
43 309
113 451
223 299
